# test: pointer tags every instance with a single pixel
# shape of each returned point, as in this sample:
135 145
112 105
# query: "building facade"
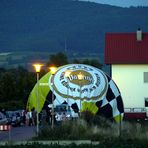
127 53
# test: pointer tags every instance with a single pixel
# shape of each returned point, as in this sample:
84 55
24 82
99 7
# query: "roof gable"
123 48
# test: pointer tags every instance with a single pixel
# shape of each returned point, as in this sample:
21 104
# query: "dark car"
3 119
14 118
64 111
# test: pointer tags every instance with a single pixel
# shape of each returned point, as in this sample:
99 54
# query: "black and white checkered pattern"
111 105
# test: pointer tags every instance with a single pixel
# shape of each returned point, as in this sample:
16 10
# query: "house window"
145 77
146 102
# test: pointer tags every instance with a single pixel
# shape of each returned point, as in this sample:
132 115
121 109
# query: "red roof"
123 48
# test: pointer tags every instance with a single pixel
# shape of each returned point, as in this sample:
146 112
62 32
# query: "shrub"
82 130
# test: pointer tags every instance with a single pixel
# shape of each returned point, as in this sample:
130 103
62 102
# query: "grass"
81 130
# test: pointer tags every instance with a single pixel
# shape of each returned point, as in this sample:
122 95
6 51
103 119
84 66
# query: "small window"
146 102
145 77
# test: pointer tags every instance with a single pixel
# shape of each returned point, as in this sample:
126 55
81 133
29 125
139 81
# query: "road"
18 133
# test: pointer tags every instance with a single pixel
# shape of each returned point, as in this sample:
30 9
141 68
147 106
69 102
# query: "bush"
103 131
76 130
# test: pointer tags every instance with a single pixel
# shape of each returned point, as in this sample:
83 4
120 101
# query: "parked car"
14 118
63 111
3 119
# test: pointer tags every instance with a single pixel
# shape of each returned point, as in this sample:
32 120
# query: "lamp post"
120 125
80 78
37 69
67 74
53 70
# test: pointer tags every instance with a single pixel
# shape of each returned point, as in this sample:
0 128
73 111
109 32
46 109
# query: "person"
4 112
146 112
63 116
23 117
43 116
48 117
27 117
33 116
58 117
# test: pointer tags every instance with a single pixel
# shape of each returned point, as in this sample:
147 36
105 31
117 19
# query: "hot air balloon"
85 88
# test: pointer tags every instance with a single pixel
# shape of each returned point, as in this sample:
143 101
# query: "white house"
127 53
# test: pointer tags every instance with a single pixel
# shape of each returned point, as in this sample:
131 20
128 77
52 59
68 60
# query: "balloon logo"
80 77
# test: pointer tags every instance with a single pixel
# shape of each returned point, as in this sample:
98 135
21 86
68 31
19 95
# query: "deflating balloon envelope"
82 88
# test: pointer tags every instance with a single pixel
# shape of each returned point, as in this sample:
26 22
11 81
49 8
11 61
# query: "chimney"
139 35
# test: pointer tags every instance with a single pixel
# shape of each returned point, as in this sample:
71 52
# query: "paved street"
18 133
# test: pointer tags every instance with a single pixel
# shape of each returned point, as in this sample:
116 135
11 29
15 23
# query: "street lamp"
80 78
37 69
53 71
67 74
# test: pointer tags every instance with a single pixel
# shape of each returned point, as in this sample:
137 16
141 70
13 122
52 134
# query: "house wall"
130 81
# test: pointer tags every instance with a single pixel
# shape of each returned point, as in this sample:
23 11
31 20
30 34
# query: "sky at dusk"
122 3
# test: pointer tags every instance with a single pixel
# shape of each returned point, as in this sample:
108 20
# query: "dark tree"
15 87
57 60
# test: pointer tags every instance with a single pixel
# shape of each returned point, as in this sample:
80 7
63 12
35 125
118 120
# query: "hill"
76 27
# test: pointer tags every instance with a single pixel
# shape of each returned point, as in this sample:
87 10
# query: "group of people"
29 117
45 116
